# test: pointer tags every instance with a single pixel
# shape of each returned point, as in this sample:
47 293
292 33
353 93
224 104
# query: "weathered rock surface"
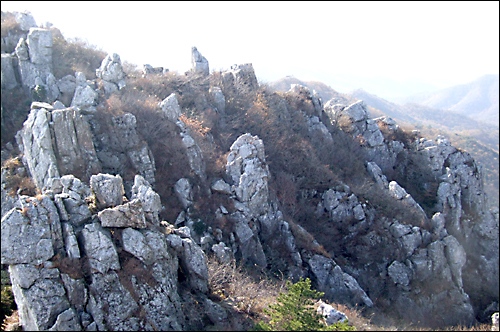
26 20
249 172
354 120
240 77
199 64
129 214
35 64
83 258
150 70
171 108
84 96
111 72
150 200
132 274
172 112
37 147
337 285
57 142
67 86
108 190
331 314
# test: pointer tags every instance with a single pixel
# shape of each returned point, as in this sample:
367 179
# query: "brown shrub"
72 55
162 137
18 182
251 292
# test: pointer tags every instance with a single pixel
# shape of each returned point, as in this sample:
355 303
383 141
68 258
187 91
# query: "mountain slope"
477 99
475 137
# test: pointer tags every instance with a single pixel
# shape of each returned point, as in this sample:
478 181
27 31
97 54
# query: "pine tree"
294 311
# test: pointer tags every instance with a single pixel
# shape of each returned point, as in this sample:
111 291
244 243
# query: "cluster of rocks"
111 73
147 70
30 65
112 270
90 252
354 119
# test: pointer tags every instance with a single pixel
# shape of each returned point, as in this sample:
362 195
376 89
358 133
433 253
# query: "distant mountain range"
477 99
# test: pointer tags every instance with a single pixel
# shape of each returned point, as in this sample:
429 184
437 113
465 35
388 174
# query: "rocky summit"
120 187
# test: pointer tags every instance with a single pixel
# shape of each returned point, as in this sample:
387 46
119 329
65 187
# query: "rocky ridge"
91 245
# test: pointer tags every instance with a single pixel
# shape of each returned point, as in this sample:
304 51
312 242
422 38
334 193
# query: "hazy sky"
440 43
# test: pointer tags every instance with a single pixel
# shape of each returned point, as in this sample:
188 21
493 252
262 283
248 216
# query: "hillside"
147 199
477 99
475 137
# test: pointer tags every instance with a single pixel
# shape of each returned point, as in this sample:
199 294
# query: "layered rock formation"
105 272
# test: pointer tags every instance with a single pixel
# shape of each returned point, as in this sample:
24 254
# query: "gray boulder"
129 214
108 190
171 108
35 64
240 77
37 147
150 200
111 71
246 164
150 70
67 86
184 192
219 100
199 64
99 248
84 96
74 144
40 46
331 314
337 285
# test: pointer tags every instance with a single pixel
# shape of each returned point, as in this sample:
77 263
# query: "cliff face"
407 233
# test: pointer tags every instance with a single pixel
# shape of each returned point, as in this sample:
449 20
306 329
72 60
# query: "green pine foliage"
295 312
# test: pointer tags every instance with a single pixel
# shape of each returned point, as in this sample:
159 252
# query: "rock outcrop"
150 70
35 64
240 77
354 120
116 277
199 64
84 97
56 143
111 73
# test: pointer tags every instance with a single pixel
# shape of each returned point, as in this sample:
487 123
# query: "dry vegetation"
302 165
73 55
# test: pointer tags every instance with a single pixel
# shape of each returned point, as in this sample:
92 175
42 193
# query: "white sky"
440 43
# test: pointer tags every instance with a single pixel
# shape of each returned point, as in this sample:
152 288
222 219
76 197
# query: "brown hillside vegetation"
304 165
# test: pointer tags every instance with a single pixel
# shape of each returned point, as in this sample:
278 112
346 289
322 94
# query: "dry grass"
72 55
248 293
18 183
